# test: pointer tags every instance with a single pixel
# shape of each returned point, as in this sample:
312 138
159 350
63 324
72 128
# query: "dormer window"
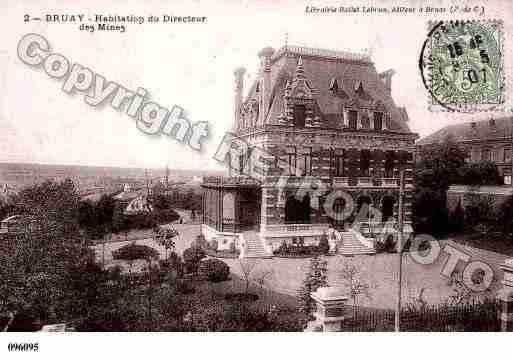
358 87
334 86
378 121
365 121
299 115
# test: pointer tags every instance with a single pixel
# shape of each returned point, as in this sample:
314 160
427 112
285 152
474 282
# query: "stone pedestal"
330 308
505 297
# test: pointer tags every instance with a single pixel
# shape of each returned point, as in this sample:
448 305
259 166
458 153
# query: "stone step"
254 247
352 246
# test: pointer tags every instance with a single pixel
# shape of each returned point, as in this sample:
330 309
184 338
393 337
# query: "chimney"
239 88
386 77
265 93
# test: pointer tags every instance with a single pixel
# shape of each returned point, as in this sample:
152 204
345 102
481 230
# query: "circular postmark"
461 65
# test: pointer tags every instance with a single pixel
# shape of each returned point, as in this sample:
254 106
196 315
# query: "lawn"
379 271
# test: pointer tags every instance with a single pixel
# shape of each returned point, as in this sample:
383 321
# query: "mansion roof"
336 80
472 131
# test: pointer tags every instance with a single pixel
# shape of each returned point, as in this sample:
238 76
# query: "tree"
192 257
505 217
479 209
247 265
316 277
39 263
165 237
458 218
356 285
481 174
439 167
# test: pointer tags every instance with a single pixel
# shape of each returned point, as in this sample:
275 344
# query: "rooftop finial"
300 71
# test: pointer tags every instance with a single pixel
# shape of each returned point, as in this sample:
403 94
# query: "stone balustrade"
230 181
389 182
341 181
295 227
364 181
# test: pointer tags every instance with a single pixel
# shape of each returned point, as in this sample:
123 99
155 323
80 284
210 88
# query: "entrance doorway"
297 211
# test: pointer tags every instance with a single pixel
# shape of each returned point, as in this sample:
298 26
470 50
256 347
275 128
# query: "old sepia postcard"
254 166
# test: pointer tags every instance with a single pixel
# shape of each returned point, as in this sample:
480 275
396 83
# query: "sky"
191 65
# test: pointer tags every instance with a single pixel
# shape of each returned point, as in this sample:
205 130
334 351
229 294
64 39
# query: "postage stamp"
462 66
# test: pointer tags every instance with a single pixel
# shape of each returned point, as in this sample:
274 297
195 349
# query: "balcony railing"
365 182
389 182
341 181
231 181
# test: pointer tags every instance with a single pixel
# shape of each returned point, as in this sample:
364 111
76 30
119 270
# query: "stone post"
238 93
330 311
265 63
505 297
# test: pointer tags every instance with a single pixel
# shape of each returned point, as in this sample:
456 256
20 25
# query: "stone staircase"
253 246
352 246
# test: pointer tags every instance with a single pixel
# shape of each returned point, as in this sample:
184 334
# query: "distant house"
134 202
456 194
16 224
487 140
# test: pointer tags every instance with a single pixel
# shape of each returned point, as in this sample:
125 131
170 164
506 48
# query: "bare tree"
247 265
262 276
351 276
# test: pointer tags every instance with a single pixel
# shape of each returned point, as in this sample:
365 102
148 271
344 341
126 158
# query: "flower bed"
299 251
220 254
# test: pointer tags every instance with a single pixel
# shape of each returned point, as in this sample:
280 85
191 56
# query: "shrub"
215 270
324 246
134 251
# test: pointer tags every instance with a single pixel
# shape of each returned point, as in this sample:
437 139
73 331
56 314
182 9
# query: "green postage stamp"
462 65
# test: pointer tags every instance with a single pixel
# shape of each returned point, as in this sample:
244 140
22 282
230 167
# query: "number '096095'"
23 347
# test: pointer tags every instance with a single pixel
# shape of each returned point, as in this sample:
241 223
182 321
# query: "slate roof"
322 68
481 130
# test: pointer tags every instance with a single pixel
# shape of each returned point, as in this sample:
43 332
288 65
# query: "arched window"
378 121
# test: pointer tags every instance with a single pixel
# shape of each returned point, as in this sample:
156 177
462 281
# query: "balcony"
364 181
235 181
341 182
390 182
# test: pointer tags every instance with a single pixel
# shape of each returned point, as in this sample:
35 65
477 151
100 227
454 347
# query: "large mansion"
315 114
